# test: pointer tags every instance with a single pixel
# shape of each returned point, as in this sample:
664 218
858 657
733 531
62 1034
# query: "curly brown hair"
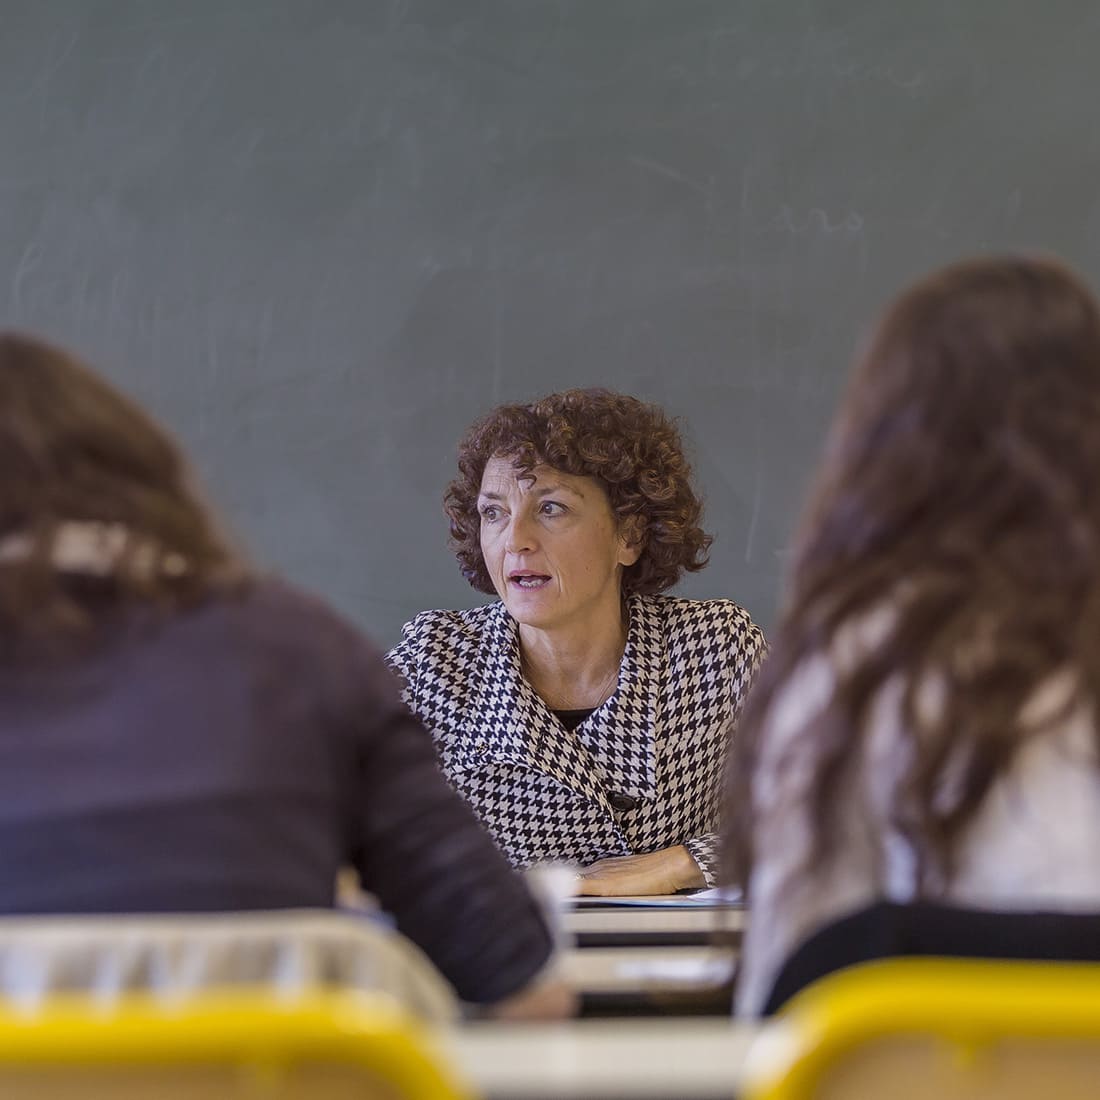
75 450
633 449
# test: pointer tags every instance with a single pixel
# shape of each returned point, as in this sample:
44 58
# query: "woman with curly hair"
924 737
584 716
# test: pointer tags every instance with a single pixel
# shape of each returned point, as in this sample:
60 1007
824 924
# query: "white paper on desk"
718 896
721 895
694 971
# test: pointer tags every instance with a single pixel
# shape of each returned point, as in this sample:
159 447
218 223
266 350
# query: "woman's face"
551 545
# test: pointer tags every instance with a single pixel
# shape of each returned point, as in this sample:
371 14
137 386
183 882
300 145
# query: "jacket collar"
612 750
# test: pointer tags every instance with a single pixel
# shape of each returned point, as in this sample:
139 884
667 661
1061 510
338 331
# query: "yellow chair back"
941 1028
243 1043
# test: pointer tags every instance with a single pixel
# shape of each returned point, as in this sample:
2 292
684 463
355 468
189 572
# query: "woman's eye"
490 513
551 508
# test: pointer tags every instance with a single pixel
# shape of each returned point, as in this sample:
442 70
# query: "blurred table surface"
688 1059
647 969
662 956
665 922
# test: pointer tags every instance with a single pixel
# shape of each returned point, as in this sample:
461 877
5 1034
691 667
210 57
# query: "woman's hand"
662 872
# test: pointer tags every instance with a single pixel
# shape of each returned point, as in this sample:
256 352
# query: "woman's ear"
631 540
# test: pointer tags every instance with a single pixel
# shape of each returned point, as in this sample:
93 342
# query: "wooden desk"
694 1059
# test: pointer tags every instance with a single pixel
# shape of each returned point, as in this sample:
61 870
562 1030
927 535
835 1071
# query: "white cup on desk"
554 885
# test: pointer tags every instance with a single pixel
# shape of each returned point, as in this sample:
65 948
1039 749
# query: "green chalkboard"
319 237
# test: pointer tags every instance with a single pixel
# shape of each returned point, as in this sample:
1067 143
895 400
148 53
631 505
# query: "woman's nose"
520 536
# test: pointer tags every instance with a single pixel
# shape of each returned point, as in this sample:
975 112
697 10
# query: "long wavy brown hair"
73 450
630 447
960 489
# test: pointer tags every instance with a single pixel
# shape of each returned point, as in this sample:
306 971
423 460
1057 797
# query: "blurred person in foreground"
180 734
925 728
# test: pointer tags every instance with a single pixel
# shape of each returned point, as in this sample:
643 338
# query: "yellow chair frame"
251 1029
968 1012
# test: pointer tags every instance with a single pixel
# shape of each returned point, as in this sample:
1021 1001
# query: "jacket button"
481 748
622 801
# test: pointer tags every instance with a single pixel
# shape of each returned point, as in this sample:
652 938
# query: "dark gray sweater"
234 757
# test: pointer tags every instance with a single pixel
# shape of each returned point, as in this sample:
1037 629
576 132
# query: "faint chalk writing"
815 220
907 81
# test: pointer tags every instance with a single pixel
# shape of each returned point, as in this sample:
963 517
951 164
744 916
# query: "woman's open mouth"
528 581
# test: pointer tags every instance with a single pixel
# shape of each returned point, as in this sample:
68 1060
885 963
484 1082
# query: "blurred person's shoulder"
272 614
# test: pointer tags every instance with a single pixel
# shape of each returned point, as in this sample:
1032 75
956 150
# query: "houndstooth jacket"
641 773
